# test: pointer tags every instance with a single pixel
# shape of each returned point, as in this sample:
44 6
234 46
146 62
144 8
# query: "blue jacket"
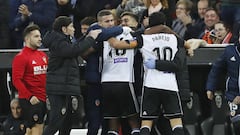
228 63
43 14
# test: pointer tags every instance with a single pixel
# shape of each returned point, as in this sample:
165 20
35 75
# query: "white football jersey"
118 63
160 47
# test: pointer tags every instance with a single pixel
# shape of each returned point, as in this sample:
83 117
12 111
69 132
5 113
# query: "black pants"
93 107
60 115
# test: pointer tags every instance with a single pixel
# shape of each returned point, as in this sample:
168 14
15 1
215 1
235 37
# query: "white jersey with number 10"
159 47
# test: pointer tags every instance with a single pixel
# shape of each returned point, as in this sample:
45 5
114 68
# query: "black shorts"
33 114
158 101
119 100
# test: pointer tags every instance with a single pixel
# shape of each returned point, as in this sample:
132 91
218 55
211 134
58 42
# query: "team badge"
97 102
218 101
74 103
22 127
233 113
63 111
35 117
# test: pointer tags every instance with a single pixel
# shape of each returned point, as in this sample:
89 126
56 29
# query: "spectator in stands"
14 124
198 23
29 69
230 14
222 33
202 6
203 31
108 4
74 9
86 22
134 6
183 9
40 12
210 19
4 39
63 79
227 63
155 6
14 35
4 17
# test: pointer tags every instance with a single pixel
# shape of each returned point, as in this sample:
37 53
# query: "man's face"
69 30
16 110
220 31
129 21
33 39
84 28
106 21
211 18
202 6
181 9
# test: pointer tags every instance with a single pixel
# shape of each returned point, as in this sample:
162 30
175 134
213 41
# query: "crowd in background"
186 17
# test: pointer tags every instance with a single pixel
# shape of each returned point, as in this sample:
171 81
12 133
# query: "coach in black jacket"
63 82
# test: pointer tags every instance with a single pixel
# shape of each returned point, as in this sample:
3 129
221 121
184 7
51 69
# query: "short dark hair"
61 21
88 20
212 9
30 28
102 13
157 18
129 14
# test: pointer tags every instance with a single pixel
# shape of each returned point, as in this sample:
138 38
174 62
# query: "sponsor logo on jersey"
42 69
120 60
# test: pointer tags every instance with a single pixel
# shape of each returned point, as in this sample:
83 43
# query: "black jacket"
63 72
12 126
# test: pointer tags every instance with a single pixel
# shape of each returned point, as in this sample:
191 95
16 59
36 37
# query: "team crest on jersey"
44 59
